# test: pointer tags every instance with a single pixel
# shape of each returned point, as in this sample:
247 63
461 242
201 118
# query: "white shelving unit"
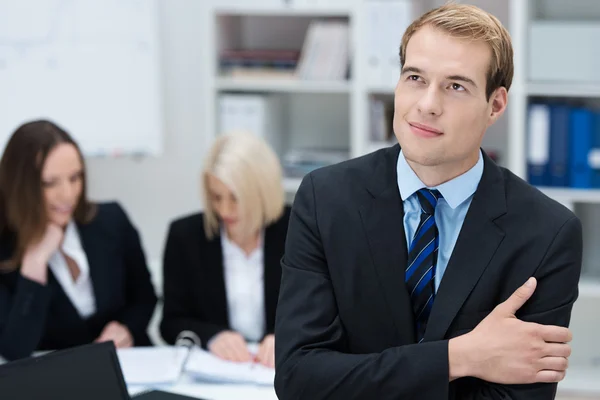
282 85
585 361
344 104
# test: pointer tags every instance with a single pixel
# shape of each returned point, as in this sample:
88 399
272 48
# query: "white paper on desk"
152 365
204 366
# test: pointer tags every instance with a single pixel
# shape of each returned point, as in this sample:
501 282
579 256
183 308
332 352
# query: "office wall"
154 190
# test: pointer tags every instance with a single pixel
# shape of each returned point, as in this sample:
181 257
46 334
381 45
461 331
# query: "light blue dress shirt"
450 211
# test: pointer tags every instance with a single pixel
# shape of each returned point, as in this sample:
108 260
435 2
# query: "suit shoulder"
524 196
111 211
187 224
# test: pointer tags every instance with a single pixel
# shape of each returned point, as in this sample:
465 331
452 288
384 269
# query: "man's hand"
503 349
118 333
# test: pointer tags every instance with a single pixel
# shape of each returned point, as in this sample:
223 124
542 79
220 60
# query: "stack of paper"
152 365
203 365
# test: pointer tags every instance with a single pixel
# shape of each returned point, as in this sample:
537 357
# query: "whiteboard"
91 66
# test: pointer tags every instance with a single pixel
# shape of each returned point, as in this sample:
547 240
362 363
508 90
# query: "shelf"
291 185
382 90
572 195
285 85
551 89
284 12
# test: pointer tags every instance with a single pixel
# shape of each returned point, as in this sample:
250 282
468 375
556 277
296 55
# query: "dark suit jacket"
345 327
194 282
41 317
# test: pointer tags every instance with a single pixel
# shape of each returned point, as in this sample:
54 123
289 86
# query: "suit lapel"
477 242
272 271
213 264
383 221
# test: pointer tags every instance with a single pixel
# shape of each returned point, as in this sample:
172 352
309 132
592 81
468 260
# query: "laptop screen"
90 372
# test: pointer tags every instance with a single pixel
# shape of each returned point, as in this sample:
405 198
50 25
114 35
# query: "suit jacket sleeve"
313 360
23 314
558 278
141 298
179 297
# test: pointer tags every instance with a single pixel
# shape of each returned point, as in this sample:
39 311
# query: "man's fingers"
557 350
518 298
555 334
554 364
548 376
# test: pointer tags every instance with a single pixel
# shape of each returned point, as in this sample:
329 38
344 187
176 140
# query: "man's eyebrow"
462 79
415 70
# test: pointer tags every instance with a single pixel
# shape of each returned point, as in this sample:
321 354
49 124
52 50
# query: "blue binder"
581 135
559 145
595 147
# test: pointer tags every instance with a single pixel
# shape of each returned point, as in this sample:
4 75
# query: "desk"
187 387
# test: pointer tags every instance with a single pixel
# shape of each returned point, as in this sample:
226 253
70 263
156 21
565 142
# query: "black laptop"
88 372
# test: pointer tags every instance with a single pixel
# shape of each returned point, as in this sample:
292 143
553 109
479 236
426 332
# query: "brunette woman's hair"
22 206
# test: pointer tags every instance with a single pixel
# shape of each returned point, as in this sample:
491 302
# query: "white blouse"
244 286
81 291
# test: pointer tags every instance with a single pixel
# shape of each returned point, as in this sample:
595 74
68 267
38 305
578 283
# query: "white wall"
155 190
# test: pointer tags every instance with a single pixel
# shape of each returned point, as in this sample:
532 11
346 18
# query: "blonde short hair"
252 171
465 21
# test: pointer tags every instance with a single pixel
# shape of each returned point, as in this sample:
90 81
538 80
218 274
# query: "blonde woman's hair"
465 21
252 171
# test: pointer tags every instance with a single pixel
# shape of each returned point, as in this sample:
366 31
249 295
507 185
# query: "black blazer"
345 327
194 282
41 317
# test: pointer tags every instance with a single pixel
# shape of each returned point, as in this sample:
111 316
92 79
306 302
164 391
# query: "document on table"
152 365
202 365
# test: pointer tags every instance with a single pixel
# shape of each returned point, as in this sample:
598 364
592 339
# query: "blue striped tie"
422 257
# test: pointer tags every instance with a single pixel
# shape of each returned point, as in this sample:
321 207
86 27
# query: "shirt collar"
232 249
72 246
454 191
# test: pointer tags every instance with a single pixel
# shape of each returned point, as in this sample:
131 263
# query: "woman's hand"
118 333
35 261
231 346
266 351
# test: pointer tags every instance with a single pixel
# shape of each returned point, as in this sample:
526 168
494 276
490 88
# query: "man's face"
440 107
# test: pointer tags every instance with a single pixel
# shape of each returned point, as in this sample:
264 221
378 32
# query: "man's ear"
498 101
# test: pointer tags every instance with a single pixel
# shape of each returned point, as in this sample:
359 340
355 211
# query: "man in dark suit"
404 270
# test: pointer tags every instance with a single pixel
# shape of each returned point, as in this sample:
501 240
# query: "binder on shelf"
538 146
325 52
559 145
386 21
581 130
260 114
594 153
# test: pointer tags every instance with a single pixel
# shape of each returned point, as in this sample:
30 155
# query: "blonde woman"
222 267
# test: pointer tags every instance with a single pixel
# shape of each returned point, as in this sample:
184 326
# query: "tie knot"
428 199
